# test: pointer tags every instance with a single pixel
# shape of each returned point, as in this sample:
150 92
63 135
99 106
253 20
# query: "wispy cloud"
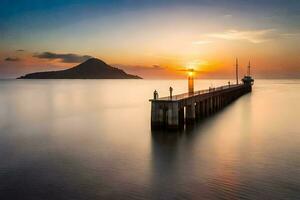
158 67
228 16
20 50
11 59
254 36
153 71
139 67
66 58
290 35
202 42
196 64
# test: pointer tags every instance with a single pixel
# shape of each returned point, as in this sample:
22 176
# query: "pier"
174 112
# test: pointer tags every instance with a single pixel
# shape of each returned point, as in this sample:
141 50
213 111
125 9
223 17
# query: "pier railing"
196 93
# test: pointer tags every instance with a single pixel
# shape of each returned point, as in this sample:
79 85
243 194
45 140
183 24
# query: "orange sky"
156 41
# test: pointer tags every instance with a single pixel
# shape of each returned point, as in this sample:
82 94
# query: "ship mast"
249 68
237 71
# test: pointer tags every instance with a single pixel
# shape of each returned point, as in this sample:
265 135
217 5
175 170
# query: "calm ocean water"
91 139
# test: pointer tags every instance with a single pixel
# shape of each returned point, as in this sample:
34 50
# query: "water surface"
91 139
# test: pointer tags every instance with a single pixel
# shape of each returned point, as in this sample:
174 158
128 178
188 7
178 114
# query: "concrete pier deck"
174 112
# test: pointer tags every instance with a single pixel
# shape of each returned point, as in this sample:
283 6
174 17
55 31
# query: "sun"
190 72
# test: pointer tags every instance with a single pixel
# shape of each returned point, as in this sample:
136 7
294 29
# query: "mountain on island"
92 68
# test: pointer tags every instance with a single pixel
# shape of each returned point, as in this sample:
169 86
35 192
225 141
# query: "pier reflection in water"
80 139
179 158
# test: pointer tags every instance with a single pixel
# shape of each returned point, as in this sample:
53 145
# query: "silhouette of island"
92 68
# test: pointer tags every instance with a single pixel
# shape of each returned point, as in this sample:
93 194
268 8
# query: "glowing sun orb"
191 67
190 72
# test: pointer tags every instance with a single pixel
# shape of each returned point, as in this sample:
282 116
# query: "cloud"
12 59
152 72
290 35
65 58
20 50
202 42
256 36
139 67
157 67
227 16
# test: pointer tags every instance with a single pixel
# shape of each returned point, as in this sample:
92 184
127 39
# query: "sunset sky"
153 39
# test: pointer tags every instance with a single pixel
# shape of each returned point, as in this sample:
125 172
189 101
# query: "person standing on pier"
171 91
155 95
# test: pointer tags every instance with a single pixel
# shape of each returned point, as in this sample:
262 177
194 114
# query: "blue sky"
45 13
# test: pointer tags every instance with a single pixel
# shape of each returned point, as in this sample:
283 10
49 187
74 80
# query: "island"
92 68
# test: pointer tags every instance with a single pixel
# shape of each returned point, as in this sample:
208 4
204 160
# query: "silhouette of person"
171 90
155 94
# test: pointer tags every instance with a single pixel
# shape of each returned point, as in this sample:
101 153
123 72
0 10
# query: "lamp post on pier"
191 81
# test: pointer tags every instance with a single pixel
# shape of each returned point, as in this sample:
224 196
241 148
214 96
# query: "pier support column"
221 102
204 108
197 110
173 116
190 113
207 107
181 117
214 104
157 115
210 106
201 110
